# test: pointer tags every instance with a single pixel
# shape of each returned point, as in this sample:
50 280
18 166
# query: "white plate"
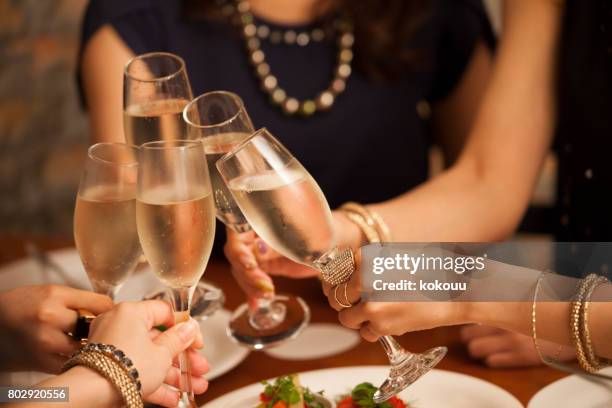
222 354
438 389
314 343
574 392
28 272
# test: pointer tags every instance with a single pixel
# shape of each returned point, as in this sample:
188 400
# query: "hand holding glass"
286 207
220 120
176 223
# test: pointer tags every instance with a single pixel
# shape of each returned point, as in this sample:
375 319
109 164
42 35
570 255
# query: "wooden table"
523 383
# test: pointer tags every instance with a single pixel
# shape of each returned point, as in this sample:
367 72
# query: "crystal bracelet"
112 369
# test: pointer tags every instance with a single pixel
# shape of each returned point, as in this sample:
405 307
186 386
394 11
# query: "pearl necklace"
253 35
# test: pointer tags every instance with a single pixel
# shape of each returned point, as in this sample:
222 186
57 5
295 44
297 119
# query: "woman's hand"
376 319
253 261
129 326
35 320
500 348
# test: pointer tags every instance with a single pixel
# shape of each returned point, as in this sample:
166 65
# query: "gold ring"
338 301
346 295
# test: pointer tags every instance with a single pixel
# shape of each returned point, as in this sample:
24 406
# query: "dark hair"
382 29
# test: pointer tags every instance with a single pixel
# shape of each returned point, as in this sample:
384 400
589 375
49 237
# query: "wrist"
459 313
348 233
89 388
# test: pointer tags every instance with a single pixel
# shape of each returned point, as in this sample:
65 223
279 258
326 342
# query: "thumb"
178 338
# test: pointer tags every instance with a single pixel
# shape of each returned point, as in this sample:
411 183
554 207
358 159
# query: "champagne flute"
105 216
286 207
220 120
175 218
155 90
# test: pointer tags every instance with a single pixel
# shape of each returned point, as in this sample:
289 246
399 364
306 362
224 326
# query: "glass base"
405 371
267 328
206 300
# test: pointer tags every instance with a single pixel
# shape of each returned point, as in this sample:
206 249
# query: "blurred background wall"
43 131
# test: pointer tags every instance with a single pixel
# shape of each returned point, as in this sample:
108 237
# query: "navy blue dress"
372 145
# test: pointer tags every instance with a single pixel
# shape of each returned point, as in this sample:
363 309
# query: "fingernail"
262 247
265 285
187 330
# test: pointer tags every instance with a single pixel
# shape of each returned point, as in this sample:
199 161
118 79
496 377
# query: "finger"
164 396
153 333
334 298
58 342
282 266
353 289
84 299
255 283
252 279
199 365
326 288
247 237
198 342
352 317
339 297
237 248
511 359
483 347
52 363
62 318
198 383
177 338
157 313
368 333
263 252
476 330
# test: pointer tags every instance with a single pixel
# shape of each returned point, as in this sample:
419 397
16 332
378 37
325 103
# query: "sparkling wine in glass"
286 207
175 217
156 89
220 120
105 216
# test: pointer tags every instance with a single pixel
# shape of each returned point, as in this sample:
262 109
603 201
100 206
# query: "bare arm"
454 116
483 196
102 70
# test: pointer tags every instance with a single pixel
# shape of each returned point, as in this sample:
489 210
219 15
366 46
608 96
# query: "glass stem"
395 352
181 302
264 303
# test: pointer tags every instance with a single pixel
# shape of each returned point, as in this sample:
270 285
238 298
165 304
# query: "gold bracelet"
575 326
383 228
534 334
591 356
370 233
112 371
372 219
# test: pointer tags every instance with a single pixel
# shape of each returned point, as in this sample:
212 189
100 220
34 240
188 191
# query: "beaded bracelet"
590 355
113 365
579 325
